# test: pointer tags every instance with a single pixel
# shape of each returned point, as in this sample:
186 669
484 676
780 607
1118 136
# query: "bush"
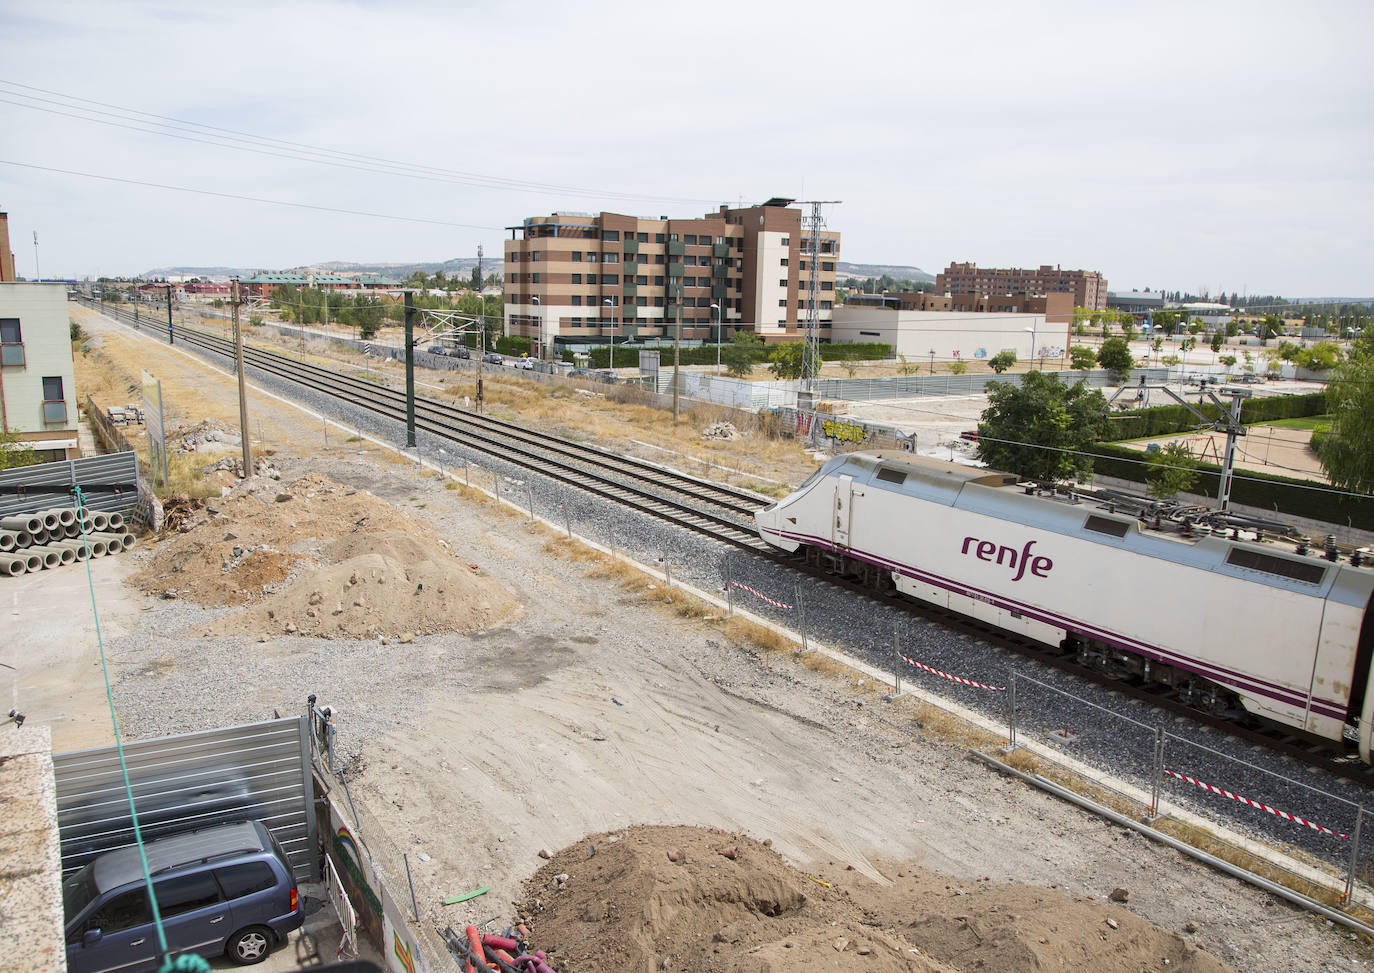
1082 357
75 331
1115 356
1165 420
1001 361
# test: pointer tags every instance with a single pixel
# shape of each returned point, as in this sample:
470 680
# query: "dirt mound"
317 558
679 898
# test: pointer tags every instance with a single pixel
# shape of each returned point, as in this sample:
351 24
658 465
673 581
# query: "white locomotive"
1226 622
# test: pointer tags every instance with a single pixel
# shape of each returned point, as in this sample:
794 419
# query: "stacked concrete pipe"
61 535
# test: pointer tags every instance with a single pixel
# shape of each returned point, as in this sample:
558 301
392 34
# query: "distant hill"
895 271
459 267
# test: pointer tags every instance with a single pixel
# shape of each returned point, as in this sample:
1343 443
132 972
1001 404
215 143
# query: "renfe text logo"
991 551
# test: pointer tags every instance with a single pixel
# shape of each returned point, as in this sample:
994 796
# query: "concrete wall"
31 934
42 313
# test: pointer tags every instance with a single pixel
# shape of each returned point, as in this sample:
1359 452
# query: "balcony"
720 271
12 354
675 269
676 248
630 290
54 410
631 246
720 249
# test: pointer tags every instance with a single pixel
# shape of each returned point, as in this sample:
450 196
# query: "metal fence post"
896 662
729 591
801 611
1157 784
496 485
1011 712
1354 855
612 536
529 489
667 573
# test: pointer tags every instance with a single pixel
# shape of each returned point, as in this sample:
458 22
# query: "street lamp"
539 319
1031 332
932 361
720 332
607 302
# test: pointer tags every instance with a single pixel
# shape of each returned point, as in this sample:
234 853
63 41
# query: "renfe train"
1228 619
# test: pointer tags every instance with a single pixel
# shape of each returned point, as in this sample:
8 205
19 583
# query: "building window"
783 263
783 282
535 256
642 237
54 402
827 305
592 257
577 300
782 303
827 265
610 258
658 302
642 279
658 237
576 256
672 238
610 278
658 281
641 302
610 236
786 241
534 278
827 285
577 278
658 258
690 238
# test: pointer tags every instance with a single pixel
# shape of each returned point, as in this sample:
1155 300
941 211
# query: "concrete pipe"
65 515
65 554
22 539
116 521
51 557
13 565
97 548
39 537
125 540
33 561
73 530
27 522
76 547
9 540
50 519
100 521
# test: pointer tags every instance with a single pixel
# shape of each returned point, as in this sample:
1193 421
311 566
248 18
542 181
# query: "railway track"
716 511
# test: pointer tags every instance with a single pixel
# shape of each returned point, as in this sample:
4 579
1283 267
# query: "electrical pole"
811 346
410 369
481 353
243 397
677 354
479 273
36 271
169 316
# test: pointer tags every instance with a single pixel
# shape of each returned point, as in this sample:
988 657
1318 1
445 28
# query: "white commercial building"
37 377
949 335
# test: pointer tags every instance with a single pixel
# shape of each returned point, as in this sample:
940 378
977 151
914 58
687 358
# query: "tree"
1001 361
1218 339
740 353
1166 321
787 360
1082 357
1171 471
906 367
1346 451
1319 357
958 366
1228 360
14 452
475 281
1037 429
1115 356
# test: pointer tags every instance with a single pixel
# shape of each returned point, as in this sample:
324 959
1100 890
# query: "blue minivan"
227 889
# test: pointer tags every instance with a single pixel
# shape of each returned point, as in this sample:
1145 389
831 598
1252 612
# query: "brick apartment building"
1056 308
1088 287
582 278
6 254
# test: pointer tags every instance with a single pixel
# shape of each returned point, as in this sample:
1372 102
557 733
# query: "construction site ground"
594 708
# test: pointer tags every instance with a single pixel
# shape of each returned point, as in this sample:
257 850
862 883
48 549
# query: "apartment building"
6 254
585 278
1088 287
37 377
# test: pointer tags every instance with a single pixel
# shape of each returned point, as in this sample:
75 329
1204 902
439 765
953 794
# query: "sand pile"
678 898
317 558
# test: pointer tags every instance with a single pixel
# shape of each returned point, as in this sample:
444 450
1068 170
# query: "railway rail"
716 511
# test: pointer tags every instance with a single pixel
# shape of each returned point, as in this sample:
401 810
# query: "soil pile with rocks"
682 898
317 558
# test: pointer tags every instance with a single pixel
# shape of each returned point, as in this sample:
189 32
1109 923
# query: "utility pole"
677 354
410 369
36 271
479 274
481 353
170 341
243 396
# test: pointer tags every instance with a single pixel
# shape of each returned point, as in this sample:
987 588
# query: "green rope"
119 745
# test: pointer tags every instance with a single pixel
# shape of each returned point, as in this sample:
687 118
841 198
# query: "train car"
1228 620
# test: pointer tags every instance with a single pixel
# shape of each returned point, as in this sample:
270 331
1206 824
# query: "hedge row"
1168 419
706 354
1282 494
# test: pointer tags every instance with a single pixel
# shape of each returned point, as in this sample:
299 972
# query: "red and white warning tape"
945 675
1256 804
760 594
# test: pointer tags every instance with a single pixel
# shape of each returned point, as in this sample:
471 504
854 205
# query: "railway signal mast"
1229 423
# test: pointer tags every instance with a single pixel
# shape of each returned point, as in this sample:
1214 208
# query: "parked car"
461 352
492 358
227 889
437 350
525 363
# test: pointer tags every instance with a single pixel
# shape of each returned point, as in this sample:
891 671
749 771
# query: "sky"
1205 145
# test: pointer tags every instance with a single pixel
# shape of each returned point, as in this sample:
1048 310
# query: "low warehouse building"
951 335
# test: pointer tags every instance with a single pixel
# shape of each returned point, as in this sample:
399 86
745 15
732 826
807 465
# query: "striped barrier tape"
1256 804
945 675
760 594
